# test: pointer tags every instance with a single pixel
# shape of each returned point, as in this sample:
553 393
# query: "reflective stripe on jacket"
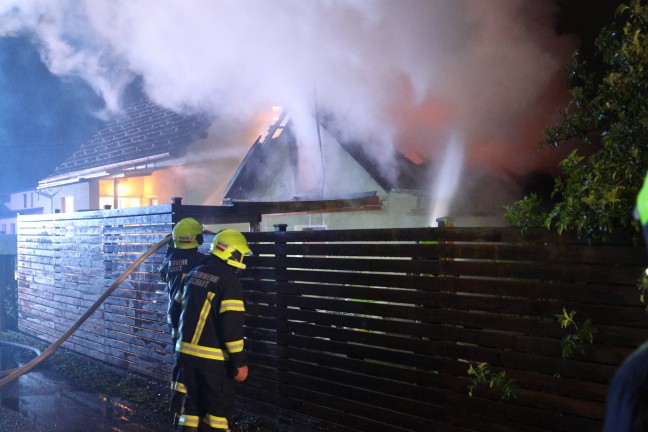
211 322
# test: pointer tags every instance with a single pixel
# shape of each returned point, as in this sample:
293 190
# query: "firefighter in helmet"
210 344
641 208
626 406
181 257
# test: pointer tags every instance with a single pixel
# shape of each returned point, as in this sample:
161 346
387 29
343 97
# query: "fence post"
8 292
280 321
3 306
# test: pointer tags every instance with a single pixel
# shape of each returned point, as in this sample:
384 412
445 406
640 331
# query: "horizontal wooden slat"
362 330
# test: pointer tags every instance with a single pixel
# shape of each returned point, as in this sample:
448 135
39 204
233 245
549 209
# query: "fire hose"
13 374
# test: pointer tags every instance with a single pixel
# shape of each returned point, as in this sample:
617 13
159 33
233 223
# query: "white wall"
84 197
400 210
28 199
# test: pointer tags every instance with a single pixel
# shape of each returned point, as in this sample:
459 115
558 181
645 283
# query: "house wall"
84 197
344 175
400 210
23 200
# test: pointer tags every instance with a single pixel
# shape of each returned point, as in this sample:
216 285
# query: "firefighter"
641 209
210 344
182 256
627 396
626 407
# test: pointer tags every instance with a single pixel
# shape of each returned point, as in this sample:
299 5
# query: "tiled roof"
144 130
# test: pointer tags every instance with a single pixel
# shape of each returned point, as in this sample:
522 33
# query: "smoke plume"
401 75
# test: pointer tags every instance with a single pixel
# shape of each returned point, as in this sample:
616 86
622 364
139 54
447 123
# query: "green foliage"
575 342
608 117
481 375
643 288
526 213
10 305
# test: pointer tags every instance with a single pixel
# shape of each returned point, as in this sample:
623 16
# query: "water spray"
447 178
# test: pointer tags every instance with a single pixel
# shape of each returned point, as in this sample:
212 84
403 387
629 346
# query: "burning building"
150 155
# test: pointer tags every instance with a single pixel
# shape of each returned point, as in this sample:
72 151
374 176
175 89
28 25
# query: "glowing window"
67 204
122 202
128 202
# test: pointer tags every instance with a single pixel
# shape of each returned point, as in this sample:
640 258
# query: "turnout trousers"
209 401
178 391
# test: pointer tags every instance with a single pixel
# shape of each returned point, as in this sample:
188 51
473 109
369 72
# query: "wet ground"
71 393
49 404
43 401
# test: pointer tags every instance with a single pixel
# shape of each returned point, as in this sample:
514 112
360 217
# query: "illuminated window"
105 201
67 204
123 188
128 202
122 202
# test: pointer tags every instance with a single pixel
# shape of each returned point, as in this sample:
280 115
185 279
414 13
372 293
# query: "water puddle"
51 403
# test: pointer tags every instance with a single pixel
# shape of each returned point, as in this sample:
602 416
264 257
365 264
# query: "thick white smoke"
399 74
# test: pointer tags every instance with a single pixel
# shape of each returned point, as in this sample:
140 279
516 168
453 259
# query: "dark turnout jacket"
177 263
211 323
627 396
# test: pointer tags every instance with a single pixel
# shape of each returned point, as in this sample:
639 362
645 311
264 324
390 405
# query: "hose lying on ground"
20 347
18 372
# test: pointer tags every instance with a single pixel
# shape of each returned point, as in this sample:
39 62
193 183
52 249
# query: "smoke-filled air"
414 76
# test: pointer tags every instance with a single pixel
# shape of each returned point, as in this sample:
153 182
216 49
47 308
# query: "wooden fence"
372 330
8 302
365 330
66 261
8 282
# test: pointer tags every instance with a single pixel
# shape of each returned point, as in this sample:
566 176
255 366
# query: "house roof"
145 132
258 169
409 175
259 166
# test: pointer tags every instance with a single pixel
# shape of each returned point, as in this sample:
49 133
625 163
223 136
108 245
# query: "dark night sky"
44 117
585 18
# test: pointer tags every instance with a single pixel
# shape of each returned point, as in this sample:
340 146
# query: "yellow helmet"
230 246
187 234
